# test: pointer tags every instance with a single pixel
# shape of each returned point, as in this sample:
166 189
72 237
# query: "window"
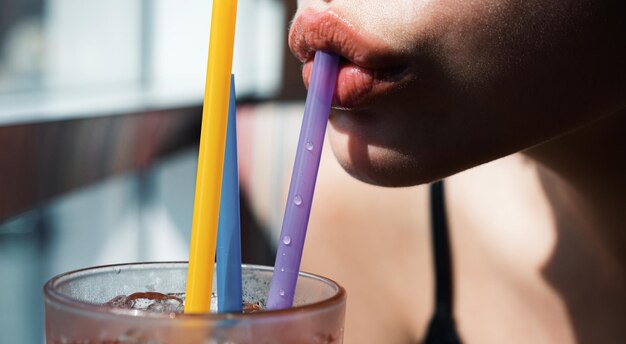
62 58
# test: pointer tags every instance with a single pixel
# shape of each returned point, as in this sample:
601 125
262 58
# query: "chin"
377 165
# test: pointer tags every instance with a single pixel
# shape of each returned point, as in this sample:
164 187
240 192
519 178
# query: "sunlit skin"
428 89
473 81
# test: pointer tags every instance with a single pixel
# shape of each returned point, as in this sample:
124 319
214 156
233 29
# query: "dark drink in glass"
142 303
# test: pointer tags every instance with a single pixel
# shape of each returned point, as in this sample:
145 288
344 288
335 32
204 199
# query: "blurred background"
100 105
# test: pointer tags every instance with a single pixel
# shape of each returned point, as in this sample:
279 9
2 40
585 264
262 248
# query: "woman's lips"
358 86
369 68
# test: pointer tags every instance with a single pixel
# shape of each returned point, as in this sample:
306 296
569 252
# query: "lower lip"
356 86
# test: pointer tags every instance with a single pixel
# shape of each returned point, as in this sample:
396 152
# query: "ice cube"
169 303
149 301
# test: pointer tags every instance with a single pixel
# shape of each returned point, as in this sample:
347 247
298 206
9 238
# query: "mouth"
369 67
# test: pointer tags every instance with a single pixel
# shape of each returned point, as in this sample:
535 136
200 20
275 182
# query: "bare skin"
533 263
431 88
528 98
536 259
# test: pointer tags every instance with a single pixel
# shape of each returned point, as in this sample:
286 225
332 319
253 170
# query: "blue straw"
228 251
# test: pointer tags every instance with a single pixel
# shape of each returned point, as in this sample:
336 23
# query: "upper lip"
370 67
329 31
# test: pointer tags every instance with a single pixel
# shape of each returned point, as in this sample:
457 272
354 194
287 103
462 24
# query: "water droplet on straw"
281 292
286 240
297 200
284 254
309 146
282 269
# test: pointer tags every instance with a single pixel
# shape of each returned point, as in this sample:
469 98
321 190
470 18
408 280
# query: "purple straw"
308 155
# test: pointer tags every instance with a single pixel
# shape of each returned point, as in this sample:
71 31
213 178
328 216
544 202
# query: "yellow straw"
211 157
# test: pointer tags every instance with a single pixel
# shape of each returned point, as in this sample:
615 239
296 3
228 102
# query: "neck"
583 178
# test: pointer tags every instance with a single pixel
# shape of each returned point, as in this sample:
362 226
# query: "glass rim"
52 295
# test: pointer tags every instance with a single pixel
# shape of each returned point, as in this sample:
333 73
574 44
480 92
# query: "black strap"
442 329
